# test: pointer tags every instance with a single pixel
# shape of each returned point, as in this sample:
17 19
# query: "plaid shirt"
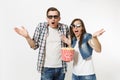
39 38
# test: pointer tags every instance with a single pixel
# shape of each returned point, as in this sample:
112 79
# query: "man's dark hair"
53 9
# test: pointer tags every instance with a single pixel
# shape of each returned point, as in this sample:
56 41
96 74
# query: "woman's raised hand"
98 33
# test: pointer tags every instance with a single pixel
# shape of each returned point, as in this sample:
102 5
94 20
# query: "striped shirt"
39 37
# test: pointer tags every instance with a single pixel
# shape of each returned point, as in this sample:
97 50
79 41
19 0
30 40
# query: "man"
47 37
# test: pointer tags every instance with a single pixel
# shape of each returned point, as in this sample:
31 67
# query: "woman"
83 43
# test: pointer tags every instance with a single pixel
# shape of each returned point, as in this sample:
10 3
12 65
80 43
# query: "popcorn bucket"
67 54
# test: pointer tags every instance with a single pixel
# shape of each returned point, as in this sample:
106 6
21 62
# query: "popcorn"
67 54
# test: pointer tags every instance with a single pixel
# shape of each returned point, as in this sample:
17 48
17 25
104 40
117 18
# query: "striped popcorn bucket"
67 54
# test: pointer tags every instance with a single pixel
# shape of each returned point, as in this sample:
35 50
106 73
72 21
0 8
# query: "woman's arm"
94 42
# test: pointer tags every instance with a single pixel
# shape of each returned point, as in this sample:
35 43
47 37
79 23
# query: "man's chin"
53 26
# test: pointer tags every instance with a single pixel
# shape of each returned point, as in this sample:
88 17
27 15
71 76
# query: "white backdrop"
18 60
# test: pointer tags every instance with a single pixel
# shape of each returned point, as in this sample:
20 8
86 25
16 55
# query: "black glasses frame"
53 16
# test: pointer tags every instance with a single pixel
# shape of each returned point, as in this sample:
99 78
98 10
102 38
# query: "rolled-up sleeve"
36 36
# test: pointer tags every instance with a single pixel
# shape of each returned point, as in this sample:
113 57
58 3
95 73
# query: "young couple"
50 36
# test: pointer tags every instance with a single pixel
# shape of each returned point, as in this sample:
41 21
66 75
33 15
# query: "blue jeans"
52 74
86 77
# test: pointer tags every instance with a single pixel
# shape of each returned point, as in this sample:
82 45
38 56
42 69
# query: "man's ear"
59 18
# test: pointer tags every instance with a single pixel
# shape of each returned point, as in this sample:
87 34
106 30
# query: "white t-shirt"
81 66
53 46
